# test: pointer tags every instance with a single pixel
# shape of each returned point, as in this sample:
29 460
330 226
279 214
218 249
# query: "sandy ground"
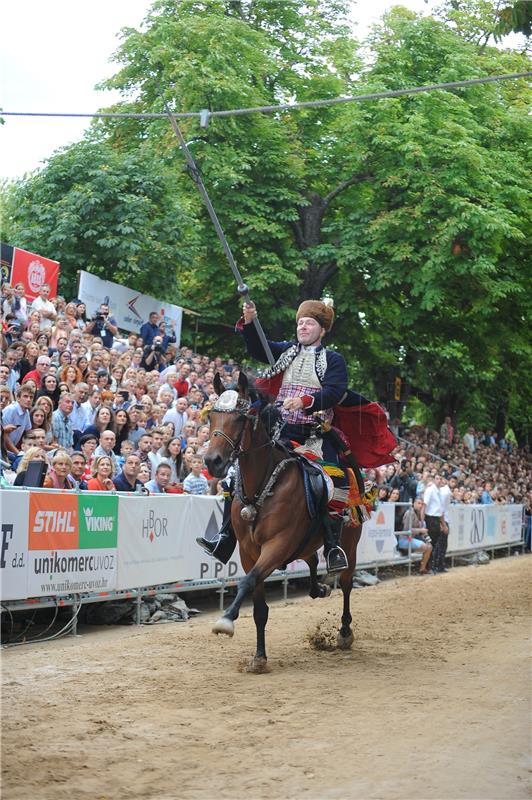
432 702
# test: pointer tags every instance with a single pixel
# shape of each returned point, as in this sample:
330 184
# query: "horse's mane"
269 414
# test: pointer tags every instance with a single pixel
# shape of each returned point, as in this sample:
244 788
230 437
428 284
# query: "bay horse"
280 531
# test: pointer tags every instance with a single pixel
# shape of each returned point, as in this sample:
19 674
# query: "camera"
98 318
157 348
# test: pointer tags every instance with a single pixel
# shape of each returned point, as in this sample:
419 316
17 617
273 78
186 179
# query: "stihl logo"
54 522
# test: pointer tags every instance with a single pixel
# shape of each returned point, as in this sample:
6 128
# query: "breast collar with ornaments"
286 358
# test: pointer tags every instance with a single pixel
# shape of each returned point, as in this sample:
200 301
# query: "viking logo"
476 535
97 523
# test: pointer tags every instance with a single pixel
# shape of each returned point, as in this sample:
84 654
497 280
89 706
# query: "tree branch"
360 176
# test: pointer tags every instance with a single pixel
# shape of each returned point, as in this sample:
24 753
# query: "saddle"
339 498
316 488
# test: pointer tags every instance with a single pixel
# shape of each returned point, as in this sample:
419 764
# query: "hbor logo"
153 527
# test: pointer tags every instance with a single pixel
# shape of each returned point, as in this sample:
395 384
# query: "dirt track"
433 702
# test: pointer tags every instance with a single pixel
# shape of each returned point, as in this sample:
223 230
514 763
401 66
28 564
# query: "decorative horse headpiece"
230 400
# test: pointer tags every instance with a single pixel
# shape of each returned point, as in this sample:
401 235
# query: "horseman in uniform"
305 379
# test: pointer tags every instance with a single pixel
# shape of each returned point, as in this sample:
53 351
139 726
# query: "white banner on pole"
14 545
129 308
56 543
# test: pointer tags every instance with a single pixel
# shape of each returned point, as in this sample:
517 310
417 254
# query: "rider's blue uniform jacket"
333 377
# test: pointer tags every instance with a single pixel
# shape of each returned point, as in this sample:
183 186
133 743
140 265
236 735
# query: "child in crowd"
195 482
126 449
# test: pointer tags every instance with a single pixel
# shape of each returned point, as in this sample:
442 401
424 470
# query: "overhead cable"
204 115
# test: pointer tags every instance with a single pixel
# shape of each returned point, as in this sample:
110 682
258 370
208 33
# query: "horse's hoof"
224 625
322 590
258 665
345 642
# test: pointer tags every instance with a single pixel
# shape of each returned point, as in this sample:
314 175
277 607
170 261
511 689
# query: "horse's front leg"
258 663
271 557
225 624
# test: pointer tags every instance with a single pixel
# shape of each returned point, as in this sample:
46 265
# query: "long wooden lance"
242 289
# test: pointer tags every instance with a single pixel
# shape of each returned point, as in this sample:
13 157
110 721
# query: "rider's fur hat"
318 310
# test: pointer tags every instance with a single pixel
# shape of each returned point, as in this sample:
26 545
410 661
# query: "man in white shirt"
154 455
446 496
45 308
469 440
91 405
80 416
177 415
434 519
105 448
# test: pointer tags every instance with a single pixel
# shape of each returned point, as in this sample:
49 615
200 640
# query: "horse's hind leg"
316 589
345 634
258 663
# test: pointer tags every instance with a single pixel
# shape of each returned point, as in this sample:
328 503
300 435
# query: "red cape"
365 427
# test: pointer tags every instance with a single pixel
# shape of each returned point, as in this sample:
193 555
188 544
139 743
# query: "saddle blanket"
343 496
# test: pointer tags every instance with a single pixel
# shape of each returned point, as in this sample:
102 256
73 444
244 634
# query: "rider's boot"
334 555
223 545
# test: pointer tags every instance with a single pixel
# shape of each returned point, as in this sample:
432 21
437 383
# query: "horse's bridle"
243 409
249 412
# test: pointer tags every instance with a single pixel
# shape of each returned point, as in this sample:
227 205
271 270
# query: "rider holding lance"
306 378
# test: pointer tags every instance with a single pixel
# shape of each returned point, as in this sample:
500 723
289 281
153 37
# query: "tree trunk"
522 433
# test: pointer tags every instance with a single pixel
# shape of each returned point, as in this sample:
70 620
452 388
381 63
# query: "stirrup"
336 560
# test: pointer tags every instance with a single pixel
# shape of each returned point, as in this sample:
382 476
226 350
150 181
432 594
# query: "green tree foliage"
105 211
412 212
480 20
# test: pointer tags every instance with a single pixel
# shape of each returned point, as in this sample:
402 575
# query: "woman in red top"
102 473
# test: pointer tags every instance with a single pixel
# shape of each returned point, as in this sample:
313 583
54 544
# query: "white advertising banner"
152 539
205 519
483 526
14 545
129 308
378 541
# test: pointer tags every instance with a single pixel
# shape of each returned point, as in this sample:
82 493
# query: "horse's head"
230 417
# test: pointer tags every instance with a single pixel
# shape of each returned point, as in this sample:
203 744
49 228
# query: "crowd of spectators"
103 410
111 411
437 469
